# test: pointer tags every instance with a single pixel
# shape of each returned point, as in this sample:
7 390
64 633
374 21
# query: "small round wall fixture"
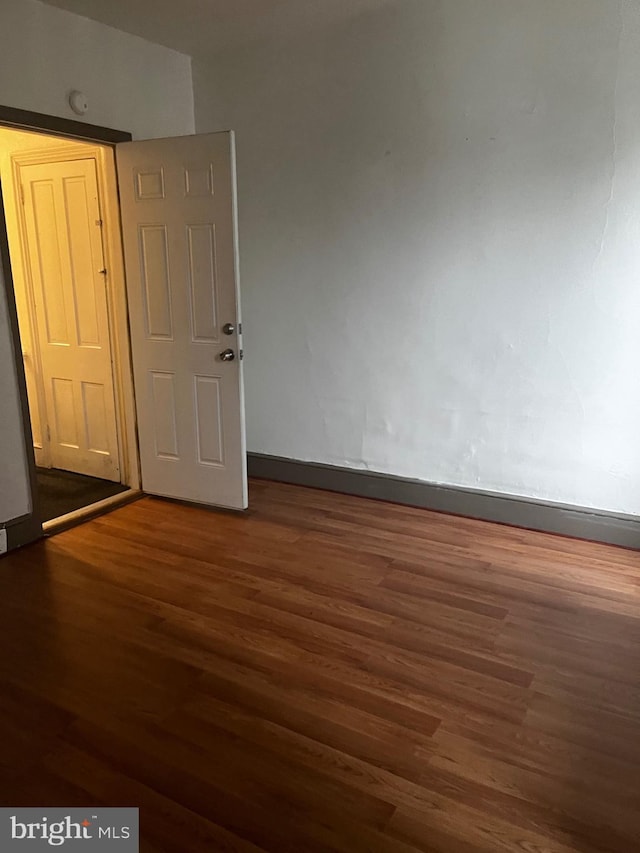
78 102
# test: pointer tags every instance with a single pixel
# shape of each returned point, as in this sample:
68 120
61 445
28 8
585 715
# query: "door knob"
227 355
228 328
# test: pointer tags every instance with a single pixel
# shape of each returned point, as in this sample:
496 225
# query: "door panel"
64 243
178 204
155 277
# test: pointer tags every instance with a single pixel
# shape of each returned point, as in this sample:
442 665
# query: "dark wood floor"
325 673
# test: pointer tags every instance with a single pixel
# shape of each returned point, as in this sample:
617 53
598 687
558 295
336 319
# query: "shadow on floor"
60 492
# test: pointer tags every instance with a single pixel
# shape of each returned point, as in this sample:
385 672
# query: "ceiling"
200 27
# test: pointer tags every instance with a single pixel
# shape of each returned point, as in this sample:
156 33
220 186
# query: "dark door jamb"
26 120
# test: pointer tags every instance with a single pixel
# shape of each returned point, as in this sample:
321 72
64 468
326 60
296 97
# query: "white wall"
131 84
440 243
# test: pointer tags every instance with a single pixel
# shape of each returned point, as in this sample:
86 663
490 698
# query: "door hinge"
239 328
241 354
48 433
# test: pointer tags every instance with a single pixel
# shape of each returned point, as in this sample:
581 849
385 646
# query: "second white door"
66 260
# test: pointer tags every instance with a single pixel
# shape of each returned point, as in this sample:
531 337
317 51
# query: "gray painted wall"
15 497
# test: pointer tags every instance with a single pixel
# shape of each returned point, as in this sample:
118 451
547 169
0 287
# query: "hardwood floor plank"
278 699
456 829
542 796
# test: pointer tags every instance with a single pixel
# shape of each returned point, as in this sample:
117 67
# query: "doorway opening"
63 231
175 329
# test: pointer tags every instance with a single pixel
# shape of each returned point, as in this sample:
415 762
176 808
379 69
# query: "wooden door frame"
27 528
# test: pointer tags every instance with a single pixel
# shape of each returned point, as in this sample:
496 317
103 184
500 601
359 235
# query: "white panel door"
178 205
64 246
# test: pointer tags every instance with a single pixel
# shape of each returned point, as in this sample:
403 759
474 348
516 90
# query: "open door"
178 205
